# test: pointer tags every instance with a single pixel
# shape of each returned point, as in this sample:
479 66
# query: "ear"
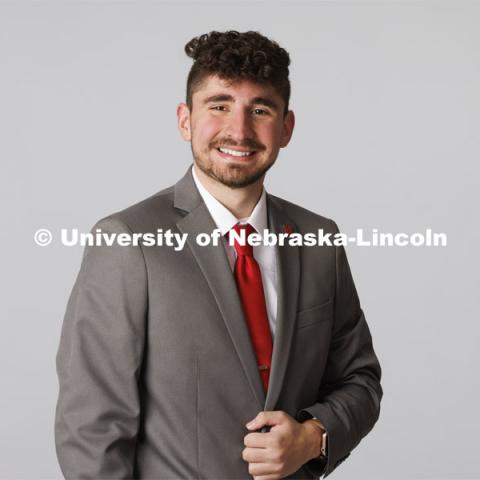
183 119
288 126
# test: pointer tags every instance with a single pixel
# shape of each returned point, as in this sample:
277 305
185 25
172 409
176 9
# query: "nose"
240 126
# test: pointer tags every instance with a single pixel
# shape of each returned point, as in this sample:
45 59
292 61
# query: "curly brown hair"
238 56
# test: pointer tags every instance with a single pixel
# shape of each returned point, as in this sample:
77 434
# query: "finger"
256 440
261 469
254 455
267 418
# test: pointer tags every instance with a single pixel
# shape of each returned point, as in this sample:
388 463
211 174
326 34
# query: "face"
236 129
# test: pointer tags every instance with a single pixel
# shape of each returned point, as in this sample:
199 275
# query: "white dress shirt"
264 255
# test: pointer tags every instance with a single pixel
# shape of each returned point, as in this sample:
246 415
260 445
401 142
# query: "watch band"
323 448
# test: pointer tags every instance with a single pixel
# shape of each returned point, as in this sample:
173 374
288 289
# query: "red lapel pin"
287 228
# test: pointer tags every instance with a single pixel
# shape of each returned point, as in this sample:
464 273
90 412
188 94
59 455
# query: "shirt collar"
224 218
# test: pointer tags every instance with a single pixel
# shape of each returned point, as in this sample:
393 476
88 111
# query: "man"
166 356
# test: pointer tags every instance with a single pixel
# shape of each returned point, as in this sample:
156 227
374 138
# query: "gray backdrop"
387 103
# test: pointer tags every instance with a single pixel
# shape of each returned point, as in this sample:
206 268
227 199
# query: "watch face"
324 445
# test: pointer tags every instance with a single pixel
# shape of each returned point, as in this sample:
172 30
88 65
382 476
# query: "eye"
260 111
218 108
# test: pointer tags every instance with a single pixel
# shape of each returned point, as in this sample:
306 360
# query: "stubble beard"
232 176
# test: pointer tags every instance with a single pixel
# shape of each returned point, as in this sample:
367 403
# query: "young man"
166 355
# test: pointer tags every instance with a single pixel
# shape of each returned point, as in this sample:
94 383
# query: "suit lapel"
214 265
288 268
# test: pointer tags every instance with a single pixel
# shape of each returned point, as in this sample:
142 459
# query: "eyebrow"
267 102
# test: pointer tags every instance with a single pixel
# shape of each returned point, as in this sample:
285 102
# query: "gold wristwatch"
323 449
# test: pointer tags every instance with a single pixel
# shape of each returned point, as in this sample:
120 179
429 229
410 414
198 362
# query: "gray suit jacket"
157 373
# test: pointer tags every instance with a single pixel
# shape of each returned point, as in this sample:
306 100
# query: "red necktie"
249 282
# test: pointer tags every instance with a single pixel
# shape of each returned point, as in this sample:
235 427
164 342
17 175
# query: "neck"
240 201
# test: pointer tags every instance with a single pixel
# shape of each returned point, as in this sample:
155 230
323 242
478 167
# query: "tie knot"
245 249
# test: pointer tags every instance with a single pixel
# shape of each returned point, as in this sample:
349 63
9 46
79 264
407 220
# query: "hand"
281 451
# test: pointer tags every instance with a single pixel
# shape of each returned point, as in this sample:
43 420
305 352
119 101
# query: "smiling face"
236 129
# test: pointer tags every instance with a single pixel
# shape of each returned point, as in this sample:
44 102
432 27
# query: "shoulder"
156 211
304 219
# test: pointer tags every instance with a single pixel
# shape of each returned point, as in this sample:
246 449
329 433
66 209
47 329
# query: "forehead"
243 90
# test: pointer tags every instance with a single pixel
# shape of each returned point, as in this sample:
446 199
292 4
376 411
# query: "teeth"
235 153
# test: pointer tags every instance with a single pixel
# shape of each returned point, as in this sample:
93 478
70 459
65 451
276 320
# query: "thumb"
263 418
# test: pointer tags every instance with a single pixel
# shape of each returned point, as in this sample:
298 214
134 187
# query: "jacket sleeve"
99 361
350 393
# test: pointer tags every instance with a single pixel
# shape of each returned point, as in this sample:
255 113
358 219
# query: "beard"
235 175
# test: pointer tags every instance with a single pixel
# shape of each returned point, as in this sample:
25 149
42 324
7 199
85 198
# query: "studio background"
387 104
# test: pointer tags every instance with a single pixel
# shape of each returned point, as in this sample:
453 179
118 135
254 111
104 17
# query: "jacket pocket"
315 314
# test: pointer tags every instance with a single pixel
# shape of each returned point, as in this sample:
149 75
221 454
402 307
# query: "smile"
235 153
